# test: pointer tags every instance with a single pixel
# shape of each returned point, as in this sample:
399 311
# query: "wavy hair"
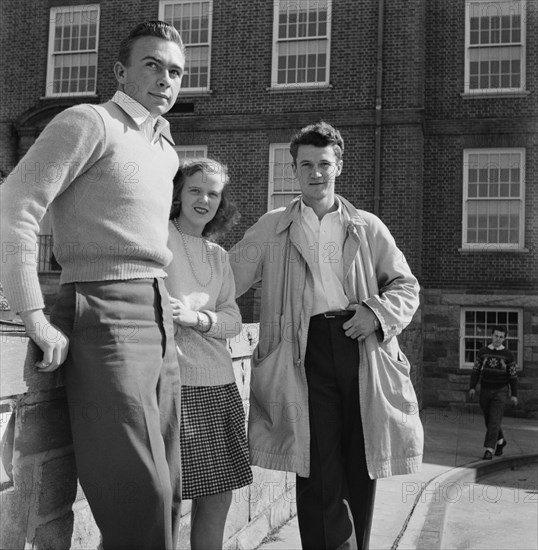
227 214
319 134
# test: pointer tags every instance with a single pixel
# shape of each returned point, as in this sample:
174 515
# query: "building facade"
436 101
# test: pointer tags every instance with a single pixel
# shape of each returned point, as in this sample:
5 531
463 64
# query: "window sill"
194 92
492 249
68 97
463 369
298 88
495 95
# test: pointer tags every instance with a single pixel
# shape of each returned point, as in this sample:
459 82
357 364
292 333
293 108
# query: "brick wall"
482 278
426 125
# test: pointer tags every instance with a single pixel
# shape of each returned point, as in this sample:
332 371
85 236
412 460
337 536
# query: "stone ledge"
46 507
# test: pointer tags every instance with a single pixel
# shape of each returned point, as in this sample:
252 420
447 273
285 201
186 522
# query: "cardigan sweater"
204 358
109 191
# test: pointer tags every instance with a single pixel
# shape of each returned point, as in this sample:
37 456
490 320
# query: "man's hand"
52 341
182 315
361 324
513 399
471 394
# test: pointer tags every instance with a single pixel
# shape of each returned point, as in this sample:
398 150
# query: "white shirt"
151 127
325 242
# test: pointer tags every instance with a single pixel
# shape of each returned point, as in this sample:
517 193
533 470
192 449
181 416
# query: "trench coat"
275 251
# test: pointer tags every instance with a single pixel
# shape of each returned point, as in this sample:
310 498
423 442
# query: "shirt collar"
490 346
140 115
308 213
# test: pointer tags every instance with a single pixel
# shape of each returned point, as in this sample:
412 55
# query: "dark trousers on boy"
335 504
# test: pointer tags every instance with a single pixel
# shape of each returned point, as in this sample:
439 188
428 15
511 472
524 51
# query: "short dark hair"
319 134
159 29
500 328
227 214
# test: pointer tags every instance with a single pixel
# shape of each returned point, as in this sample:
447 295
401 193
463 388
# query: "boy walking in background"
496 366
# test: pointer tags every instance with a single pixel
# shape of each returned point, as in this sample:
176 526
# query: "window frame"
465 365
271 193
489 246
468 47
194 89
51 55
274 62
186 148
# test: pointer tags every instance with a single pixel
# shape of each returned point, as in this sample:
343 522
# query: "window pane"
478 328
494 67
305 58
74 50
192 21
306 54
190 151
283 186
493 207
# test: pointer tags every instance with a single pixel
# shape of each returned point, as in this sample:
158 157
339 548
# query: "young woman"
201 286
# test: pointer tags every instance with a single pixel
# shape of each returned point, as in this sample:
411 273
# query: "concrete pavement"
431 509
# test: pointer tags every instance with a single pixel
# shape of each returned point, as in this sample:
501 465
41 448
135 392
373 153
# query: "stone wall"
42 505
445 382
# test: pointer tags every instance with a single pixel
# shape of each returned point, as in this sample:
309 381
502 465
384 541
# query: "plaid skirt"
214 449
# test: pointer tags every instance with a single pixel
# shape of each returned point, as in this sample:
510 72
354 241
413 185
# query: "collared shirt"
325 242
151 127
491 346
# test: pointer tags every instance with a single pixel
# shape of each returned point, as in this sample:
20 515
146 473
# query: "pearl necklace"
189 258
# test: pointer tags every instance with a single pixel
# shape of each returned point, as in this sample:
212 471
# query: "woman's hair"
159 29
226 215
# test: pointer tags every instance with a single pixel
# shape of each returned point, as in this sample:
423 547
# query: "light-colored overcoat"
377 275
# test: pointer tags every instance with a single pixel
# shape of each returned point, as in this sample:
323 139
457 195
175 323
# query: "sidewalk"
410 511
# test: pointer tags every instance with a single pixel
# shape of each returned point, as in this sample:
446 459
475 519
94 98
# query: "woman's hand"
182 315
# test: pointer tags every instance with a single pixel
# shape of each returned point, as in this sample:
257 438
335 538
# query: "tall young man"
105 172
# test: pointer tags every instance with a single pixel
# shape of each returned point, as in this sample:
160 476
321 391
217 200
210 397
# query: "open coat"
376 274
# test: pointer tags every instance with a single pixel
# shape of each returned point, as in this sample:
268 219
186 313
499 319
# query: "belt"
338 314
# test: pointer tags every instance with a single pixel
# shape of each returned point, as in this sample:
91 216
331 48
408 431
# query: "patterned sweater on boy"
497 368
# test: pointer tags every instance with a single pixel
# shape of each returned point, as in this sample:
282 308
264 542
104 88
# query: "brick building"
437 103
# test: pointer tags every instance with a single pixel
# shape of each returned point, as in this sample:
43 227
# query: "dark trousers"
492 403
338 472
123 390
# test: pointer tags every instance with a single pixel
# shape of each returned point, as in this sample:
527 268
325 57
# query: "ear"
119 72
340 164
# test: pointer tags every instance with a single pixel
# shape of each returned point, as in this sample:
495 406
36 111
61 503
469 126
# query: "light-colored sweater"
109 191
204 358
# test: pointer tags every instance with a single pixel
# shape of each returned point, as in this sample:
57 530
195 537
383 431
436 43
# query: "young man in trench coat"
331 397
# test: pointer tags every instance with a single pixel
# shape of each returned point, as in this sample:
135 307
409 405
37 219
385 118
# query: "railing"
46 263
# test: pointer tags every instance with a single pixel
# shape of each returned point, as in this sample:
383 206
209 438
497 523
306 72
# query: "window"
476 329
73 41
46 261
493 198
495 46
283 186
193 21
301 43
190 151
